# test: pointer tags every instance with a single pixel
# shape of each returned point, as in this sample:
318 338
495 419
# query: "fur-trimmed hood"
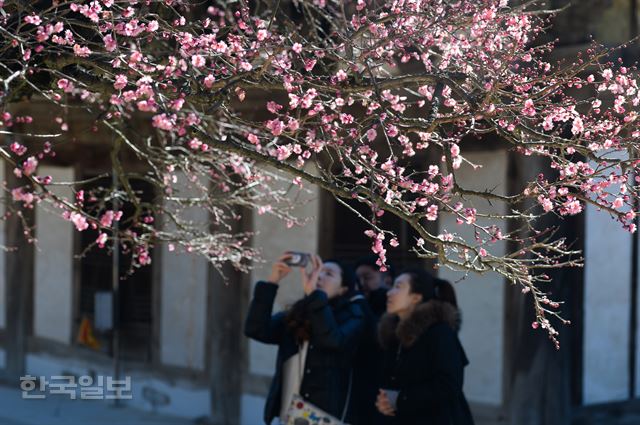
425 315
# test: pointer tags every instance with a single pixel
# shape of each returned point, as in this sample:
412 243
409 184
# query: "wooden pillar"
226 346
542 384
19 289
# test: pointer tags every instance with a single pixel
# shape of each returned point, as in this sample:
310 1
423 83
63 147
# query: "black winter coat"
367 373
335 333
425 361
377 300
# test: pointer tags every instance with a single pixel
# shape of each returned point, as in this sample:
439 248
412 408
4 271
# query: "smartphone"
298 259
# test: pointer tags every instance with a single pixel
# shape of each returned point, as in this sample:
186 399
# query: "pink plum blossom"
109 43
529 109
29 166
209 80
432 213
578 126
198 61
120 82
275 126
617 203
66 85
81 51
79 221
102 240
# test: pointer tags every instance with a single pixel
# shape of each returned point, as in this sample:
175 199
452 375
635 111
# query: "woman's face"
330 280
399 298
370 278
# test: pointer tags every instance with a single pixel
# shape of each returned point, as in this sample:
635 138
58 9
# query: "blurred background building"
180 325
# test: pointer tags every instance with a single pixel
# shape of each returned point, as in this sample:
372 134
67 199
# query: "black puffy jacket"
335 333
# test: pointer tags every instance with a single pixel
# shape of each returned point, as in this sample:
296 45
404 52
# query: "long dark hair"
430 287
297 320
445 292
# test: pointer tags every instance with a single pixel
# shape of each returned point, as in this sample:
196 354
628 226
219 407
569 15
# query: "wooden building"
182 340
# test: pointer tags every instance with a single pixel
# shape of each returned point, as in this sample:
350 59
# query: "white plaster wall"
185 398
53 291
481 297
3 287
606 308
184 300
273 239
184 295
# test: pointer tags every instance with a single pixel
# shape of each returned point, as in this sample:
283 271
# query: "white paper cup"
392 395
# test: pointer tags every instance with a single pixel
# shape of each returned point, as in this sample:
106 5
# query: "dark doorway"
135 294
344 238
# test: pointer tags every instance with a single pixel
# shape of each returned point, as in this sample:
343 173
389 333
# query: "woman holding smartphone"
316 337
424 360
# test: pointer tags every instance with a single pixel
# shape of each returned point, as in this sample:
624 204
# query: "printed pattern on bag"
302 412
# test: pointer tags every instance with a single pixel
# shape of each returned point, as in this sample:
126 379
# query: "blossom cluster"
376 102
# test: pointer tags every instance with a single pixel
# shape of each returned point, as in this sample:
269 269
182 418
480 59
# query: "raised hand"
310 278
279 269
